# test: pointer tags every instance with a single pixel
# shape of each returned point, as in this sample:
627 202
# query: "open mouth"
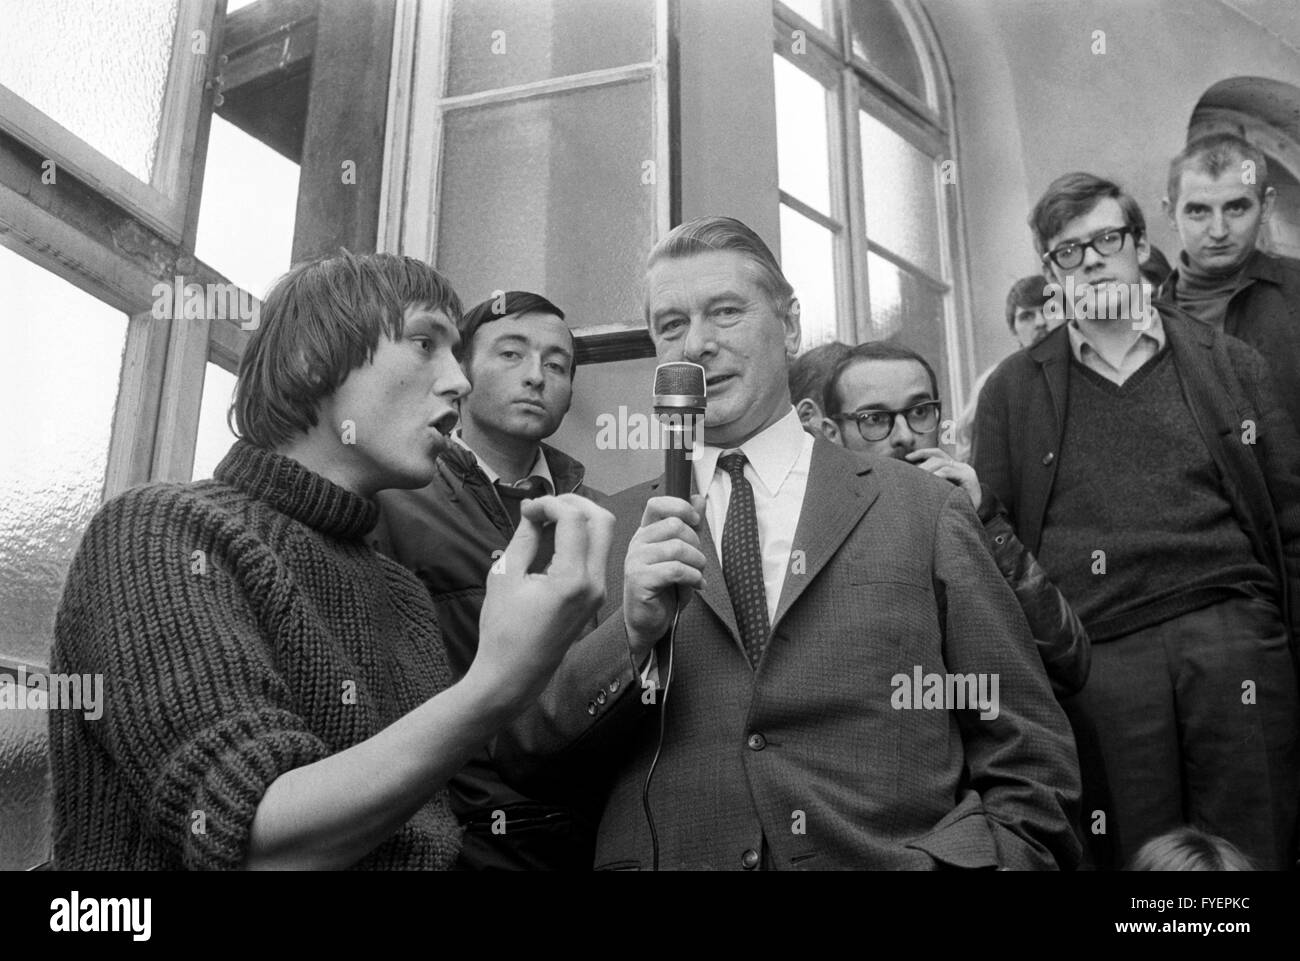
718 380
444 423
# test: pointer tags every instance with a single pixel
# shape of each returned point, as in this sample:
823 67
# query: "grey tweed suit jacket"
814 758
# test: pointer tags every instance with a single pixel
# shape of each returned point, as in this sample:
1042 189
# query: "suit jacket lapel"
841 488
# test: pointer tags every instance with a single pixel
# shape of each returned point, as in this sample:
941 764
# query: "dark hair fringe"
509 303
1071 196
318 323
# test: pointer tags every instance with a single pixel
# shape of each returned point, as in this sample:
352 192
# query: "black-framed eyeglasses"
1068 256
876 425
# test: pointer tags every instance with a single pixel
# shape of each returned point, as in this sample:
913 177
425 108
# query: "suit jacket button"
749 860
1048 458
756 742
591 707
601 697
613 686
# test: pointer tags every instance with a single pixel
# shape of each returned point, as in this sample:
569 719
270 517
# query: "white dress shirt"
1118 369
777 469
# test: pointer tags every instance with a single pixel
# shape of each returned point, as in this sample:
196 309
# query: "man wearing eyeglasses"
883 399
1144 459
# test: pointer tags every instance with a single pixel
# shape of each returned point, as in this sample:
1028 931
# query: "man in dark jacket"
519 357
883 399
1219 199
1146 463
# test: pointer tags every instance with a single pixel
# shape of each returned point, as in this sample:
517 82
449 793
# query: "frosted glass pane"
250 200
808 262
547 194
898 184
881 38
215 437
24 790
500 43
811 10
59 371
908 312
99 69
803 150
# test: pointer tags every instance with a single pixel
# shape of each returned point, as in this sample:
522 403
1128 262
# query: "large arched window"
870 236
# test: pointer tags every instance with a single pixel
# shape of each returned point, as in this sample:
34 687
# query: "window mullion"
858 327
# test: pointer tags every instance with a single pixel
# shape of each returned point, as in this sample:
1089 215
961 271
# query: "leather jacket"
1062 641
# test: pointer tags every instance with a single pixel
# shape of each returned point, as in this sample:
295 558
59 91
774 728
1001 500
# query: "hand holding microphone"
665 554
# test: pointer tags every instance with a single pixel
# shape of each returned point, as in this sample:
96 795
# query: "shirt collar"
772 453
539 468
1079 340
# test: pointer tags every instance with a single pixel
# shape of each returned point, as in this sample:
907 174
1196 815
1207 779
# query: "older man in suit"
855 686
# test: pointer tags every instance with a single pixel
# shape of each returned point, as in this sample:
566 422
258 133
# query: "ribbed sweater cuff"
207 796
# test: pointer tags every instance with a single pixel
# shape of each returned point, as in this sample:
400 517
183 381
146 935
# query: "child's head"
1189 849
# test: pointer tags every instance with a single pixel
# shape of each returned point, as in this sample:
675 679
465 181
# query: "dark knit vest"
1136 482
243 629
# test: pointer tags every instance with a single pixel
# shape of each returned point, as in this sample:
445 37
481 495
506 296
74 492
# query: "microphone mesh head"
679 378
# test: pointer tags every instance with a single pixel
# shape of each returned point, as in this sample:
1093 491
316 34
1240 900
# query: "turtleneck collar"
292 489
1205 295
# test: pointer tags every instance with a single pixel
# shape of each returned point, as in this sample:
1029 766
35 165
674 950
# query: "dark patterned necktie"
742 560
513 496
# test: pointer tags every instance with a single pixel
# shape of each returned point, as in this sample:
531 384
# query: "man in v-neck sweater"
1147 464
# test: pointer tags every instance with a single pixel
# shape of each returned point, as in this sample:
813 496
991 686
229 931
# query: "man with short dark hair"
783 624
1024 312
276 693
1219 198
1144 461
520 358
807 377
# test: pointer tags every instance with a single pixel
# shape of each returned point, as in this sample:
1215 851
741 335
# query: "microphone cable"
659 744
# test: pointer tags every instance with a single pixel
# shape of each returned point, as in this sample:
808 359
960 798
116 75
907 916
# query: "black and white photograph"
499 436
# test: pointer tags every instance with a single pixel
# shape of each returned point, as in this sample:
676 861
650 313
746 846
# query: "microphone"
680 398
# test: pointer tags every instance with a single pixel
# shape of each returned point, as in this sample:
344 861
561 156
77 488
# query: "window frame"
926 126
162 202
418 105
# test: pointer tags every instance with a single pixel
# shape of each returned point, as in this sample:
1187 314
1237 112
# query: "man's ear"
831 431
1270 199
1167 206
810 414
793 329
1143 247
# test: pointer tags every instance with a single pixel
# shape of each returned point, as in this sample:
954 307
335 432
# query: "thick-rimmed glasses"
1068 256
876 425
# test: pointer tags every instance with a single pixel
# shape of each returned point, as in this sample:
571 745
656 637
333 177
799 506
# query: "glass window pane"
501 43
60 368
58 379
98 69
549 194
898 183
803 150
215 436
881 38
811 10
25 806
907 311
808 262
250 200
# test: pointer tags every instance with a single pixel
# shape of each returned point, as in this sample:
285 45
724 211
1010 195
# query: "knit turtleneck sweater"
243 628
1205 295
